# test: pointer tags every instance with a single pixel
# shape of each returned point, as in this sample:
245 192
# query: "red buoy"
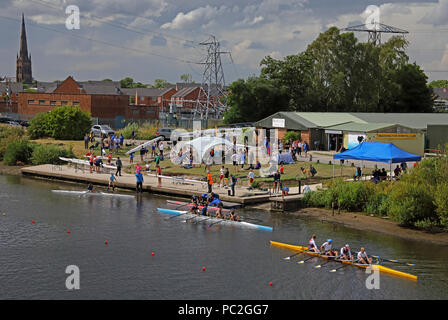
270 283
68 231
153 254
203 268
33 222
105 242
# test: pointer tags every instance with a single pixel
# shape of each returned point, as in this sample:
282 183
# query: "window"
41 102
52 103
149 111
76 103
64 103
30 101
135 112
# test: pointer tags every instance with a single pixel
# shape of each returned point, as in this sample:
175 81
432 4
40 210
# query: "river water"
239 263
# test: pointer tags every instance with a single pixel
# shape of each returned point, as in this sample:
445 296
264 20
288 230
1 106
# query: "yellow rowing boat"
381 268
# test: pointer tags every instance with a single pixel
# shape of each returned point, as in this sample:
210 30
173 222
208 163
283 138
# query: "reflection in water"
239 262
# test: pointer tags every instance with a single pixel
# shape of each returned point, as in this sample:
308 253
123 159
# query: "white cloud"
197 16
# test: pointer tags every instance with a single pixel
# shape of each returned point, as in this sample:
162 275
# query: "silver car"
102 130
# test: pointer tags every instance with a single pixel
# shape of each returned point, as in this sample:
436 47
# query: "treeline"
335 73
419 199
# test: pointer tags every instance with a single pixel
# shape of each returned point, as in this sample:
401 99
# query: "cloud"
187 20
158 41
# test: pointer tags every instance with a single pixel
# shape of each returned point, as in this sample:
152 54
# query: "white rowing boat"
88 193
85 162
211 220
144 145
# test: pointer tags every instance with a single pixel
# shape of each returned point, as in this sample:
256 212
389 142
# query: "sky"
150 39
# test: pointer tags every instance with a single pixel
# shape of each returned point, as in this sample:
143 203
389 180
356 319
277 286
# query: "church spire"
23 43
23 73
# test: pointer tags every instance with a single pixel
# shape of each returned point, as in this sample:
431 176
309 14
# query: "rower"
363 257
346 254
219 214
233 216
204 210
194 209
326 248
204 198
194 199
312 244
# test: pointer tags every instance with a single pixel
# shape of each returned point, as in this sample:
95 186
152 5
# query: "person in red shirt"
109 158
210 181
159 173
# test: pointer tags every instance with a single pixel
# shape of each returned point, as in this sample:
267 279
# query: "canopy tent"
378 152
202 145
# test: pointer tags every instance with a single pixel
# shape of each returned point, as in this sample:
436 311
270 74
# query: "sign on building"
278 123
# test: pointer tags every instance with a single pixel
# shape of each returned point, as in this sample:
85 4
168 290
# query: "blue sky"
149 39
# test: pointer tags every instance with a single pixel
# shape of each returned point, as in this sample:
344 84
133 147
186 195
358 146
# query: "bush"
146 131
39 126
8 134
411 202
127 131
291 136
49 154
19 150
63 123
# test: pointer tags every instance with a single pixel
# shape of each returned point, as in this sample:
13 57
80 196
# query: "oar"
303 261
394 261
198 221
343 266
191 218
321 265
289 258
216 222
177 215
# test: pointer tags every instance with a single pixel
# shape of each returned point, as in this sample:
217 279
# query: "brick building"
106 102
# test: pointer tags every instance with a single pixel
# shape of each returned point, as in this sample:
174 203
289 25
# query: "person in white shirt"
326 248
235 160
346 254
251 177
312 244
363 257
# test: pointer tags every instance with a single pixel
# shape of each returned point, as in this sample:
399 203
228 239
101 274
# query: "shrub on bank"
18 151
49 154
8 134
62 123
419 199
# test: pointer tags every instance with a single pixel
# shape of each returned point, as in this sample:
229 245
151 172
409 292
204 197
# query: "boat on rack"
89 193
211 220
381 268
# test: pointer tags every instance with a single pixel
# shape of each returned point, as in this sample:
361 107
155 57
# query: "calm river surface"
239 263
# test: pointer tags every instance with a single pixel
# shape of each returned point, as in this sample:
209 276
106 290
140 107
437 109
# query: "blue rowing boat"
212 220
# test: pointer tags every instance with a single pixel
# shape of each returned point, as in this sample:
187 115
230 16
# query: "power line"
118 24
71 34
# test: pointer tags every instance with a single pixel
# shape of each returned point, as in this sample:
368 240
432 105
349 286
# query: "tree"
160 83
438 84
107 79
64 123
413 94
186 78
127 82
255 99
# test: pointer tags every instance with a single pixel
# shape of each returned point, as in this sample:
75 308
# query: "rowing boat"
213 220
191 204
381 268
88 193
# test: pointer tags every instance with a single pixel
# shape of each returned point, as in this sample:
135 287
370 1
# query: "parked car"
23 123
14 124
100 130
165 133
5 120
